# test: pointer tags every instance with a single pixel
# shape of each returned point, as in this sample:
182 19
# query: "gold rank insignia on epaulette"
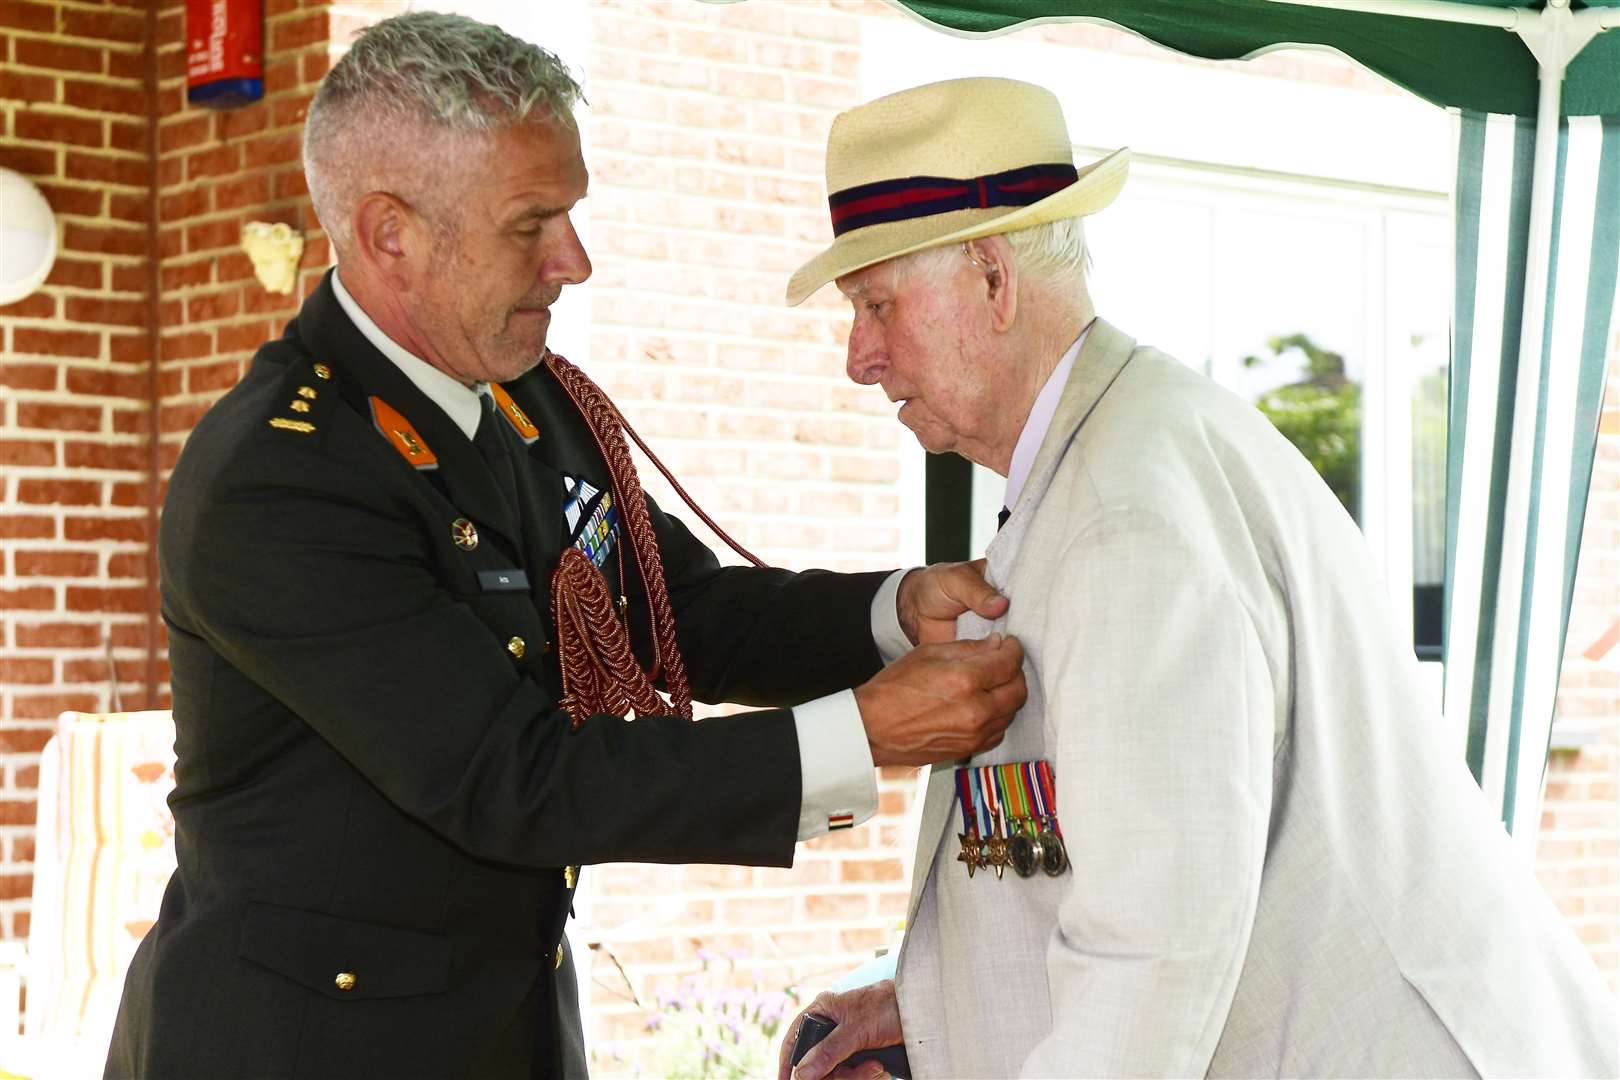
514 415
300 404
402 436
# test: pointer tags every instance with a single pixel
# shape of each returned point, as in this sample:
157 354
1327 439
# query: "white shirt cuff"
891 641
838 780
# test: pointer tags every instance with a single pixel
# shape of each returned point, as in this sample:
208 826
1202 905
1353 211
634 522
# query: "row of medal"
1009 818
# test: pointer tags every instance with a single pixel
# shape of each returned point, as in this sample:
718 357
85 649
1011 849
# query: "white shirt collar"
459 403
1040 418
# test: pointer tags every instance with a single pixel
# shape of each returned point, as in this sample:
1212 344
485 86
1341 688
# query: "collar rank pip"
402 436
1009 818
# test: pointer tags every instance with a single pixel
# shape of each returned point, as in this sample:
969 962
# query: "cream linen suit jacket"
1279 866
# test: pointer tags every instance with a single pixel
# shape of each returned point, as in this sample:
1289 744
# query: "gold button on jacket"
344 981
517 648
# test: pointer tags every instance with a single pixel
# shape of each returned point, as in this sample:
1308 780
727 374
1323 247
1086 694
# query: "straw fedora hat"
947 162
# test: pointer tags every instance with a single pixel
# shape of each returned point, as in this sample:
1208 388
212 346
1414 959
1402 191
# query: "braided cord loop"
600 676
599 670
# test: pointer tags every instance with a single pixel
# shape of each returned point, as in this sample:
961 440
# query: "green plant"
1320 415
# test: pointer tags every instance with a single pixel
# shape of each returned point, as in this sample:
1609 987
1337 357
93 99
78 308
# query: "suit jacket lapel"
565 447
1101 359
540 488
938 798
361 372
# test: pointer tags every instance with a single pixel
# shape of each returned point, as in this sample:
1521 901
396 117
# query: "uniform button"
570 875
517 648
545 648
344 981
558 962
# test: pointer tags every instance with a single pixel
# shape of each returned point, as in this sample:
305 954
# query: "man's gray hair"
447 77
1054 253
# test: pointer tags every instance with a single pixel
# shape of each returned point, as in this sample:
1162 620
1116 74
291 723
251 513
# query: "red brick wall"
91 427
217 171
707 137
74 394
707 140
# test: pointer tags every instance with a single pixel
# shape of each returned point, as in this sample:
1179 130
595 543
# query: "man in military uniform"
405 562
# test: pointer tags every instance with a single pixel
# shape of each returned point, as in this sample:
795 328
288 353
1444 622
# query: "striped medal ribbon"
1009 819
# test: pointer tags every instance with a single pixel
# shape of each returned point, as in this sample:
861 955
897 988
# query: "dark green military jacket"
375 794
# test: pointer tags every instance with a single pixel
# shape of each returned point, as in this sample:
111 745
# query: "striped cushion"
102 857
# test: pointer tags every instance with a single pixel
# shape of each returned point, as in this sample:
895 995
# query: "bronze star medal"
972 855
995 849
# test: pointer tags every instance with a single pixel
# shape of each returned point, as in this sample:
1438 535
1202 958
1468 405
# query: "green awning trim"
1477 68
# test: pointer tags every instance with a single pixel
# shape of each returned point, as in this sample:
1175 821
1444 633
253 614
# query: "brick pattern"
705 137
74 398
217 171
1578 850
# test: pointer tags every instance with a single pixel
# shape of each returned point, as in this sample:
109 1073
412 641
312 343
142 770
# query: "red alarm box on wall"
224 53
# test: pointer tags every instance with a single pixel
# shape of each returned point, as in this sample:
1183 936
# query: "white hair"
399 109
1054 253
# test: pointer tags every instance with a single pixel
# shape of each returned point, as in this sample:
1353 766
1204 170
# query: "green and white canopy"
1453 53
1537 241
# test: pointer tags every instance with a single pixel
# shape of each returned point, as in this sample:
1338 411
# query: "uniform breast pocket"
344 959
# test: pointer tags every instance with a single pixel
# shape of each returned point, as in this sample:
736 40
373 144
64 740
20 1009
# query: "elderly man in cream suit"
1275 864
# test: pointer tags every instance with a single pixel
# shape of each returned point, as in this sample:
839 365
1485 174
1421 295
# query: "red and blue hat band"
909 197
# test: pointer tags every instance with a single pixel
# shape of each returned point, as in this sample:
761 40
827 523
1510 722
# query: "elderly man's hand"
942 702
867 1017
931 598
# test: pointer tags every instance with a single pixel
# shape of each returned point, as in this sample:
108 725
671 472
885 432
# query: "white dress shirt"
835 764
1039 419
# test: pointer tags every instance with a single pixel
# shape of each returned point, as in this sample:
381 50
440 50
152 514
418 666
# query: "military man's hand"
944 701
930 599
867 1017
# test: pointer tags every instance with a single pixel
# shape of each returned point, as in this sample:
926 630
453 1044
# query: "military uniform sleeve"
313 578
766 636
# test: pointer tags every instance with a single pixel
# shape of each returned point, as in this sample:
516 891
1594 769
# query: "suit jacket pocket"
327 954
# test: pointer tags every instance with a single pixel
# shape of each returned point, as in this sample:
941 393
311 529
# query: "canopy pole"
1555 35
1511 571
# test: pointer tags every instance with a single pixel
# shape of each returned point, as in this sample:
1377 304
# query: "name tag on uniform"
514 580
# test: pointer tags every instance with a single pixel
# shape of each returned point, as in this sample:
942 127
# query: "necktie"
492 444
1001 518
